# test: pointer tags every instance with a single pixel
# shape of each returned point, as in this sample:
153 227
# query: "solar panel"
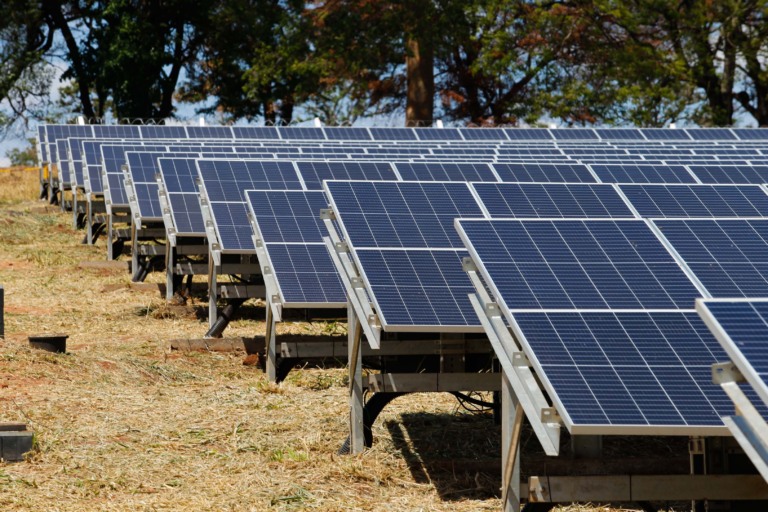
63 162
42 144
664 134
751 133
392 133
573 134
178 174
116 131
619 134
301 133
224 183
186 213
552 200
209 132
741 174
483 134
438 134
535 172
711 134
288 223
697 200
646 371
470 152
313 173
162 132
255 132
577 264
346 133
445 171
635 173
418 289
728 256
507 151
401 214
528 133
147 200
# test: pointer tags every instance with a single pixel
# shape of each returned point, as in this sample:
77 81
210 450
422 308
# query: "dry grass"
122 424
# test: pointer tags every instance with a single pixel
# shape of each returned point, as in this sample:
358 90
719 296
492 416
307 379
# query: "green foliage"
26 157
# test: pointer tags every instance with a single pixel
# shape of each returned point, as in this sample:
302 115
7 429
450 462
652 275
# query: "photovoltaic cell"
186 213
209 132
630 369
314 173
573 134
305 274
751 133
289 216
401 214
483 134
445 171
728 256
665 134
116 131
438 134
301 133
255 132
552 200
633 173
577 264
711 134
535 172
697 200
619 134
735 174
392 133
345 133
227 180
162 132
418 288
528 134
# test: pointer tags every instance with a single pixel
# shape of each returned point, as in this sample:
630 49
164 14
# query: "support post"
356 406
75 223
511 426
213 311
170 263
110 234
89 221
271 341
134 247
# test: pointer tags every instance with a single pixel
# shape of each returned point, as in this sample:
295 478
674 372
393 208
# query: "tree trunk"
419 107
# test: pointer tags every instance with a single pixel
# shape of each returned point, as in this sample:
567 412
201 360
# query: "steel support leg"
213 311
511 426
270 338
356 414
170 263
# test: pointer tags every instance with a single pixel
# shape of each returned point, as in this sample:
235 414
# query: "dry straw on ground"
123 424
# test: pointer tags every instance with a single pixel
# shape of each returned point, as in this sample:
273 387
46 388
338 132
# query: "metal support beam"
271 341
170 263
213 311
511 426
356 415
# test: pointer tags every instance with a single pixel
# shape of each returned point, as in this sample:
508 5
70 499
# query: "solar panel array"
594 242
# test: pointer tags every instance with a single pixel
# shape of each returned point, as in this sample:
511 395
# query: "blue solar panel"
528 133
305 274
736 174
116 131
63 162
619 134
594 152
255 132
64 175
42 144
569 264
301 133
445 171
697 200
418 288
552 200
232 226
438 134
634 369
162 132
178 174
468 151
227 180
346 133
729 256
114 187
315 172
209 132
147 199
392 133
186 213
401 214
634 173
751 133
289 216
483 134
535 172
665 134
507 151
711 134
741 327
573 134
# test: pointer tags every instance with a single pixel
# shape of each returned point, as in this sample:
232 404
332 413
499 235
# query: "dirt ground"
123 423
